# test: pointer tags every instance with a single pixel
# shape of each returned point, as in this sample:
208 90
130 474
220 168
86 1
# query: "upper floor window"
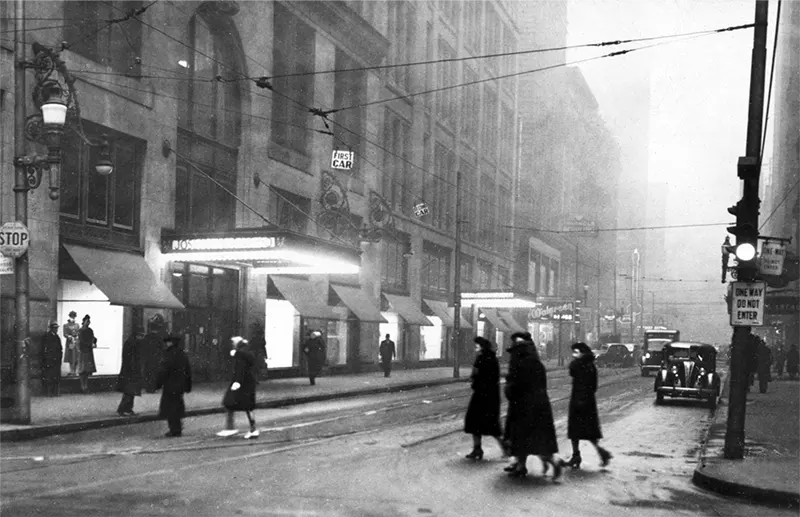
442 199
489 129
503 233
401 35
396 159
485 275
103 202
292 54
466 271
394 264
470 100
503 278
447 78
88 32
350 89
435 269
472 23
493 43
469 198
486 235
510 60
288 210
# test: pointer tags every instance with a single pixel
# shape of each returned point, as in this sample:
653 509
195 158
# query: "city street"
394 454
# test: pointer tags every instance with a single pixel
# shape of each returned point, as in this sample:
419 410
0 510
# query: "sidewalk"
770 470
80 412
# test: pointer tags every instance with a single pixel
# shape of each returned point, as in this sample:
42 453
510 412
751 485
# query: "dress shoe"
605 457
574 462
227 432
476 454
518 472
171 434
251 434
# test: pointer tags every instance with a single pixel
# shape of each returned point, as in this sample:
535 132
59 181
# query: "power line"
782 201
633 228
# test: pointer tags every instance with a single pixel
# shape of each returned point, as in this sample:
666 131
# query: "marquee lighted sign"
226 243
497 299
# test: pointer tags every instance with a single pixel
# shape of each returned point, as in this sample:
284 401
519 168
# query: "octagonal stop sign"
14 239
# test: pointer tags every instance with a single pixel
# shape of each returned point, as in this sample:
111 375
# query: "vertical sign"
772 255
747 308
6 265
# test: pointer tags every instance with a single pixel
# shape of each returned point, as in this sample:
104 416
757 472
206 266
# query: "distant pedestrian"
387 352
780 360
483 412
584 423
530 428
174 379
241 394
50 360
764 366
86 345
152 351
792 362
70 331
315 352
129 381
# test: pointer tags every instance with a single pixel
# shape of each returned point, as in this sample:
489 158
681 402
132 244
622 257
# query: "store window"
281 324
397 180
432 339
435 269
391 327
335 334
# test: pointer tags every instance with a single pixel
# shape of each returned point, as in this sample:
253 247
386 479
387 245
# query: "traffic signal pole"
747 217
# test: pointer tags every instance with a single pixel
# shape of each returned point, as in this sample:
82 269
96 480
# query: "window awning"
302 296
406 308
124 278
511 321
8 289
496 320
361 303
445 313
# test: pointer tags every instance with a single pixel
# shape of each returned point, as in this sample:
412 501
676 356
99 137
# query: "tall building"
226 213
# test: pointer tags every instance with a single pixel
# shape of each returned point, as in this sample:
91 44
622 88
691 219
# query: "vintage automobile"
689 370
654 341
617 355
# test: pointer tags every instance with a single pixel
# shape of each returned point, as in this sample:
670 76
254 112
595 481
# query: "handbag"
230 400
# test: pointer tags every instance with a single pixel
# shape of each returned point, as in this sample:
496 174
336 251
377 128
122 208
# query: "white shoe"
251 434
227 432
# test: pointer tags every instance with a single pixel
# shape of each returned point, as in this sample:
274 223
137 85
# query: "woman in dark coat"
584 423
129 381
530 428
175 377
315 355
50 360
792 362
241 394
483 412
86 345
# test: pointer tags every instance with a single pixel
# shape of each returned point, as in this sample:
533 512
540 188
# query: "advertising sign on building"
421 209
772 255
343 160
747 308
549 311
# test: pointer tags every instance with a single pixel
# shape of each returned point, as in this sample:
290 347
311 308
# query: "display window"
335 334
280 327
432 339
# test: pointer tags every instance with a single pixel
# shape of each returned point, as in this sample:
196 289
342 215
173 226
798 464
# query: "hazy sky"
698 118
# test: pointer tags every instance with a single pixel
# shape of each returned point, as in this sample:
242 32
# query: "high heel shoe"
476 454
605 457
518 472
556 470
574 462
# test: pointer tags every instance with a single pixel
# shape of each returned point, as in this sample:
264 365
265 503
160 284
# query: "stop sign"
14 239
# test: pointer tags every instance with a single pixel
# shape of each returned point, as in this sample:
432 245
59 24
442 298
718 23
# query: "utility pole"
747 217
457 287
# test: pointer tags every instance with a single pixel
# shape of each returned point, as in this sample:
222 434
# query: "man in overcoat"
387 352
174 379
50 360
315 355
129 382
152 352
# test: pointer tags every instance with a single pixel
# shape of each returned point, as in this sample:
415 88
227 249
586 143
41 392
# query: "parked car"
617 355
689 370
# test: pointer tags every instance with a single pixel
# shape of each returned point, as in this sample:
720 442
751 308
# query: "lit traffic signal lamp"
745 248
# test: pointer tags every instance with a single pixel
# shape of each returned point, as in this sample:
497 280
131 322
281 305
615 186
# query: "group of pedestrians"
529 427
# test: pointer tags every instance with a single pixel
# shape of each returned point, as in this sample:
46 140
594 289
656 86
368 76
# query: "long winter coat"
130 373
315 355
530 428
70 330
583 423
50 359
150 357
792 360
243 399
86 345
175 379
483 412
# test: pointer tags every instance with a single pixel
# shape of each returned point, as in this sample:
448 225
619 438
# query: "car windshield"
656 345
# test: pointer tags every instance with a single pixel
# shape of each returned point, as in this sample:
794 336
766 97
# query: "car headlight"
674 369
702 371
647 355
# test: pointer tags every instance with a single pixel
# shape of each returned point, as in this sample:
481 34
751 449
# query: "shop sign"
772 255
782 305
421 209
748 304
551 311
226 243
6 265
343 160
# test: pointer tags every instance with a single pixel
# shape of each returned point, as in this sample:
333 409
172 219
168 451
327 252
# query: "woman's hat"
483 342
582 347
87 317
238 341
73 314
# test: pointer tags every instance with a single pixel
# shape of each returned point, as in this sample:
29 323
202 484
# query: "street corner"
769 482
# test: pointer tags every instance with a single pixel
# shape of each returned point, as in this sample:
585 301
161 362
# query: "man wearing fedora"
50 360
129 382
174 379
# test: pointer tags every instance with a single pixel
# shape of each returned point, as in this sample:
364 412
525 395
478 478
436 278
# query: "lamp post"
54 101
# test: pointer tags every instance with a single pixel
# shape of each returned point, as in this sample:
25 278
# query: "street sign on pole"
14 239
747 309
772 255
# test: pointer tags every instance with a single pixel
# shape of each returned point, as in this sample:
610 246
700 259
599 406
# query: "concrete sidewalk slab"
770 470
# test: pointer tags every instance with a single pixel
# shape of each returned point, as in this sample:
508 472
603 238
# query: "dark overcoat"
531 430
174 379
244 398
150 357
387 350
792 360
315 355
483 412
129 380
583 423
51 352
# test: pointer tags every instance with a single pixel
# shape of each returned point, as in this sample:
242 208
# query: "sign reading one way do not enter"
747 304
14 239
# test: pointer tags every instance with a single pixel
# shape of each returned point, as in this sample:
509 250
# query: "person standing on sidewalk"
483 412
70 330
241 394
129 381
792 362
584 423
314 350
387 352
50 360
780 360
152 352
86 345
258 345
764 366
175 377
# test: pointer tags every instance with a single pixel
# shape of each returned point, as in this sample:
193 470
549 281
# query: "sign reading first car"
14 239
342 160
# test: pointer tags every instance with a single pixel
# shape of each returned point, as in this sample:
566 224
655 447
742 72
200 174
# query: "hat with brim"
53 323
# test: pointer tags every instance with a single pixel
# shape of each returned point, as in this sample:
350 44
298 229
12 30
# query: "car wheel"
712 402
659 399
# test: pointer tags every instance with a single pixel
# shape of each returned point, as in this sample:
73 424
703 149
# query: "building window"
447 78
509 61
89 33
466 271
292 54
443 191
402 37
435 269
288 210
533 271
87 198
554 278
508 139
349 90
489 136
503 232
544 275
209 129
430 70
469 198
469 101
394 264
492 29
484 275
397 180
486 225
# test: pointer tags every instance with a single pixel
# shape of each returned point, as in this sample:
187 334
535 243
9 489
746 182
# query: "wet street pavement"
394 454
